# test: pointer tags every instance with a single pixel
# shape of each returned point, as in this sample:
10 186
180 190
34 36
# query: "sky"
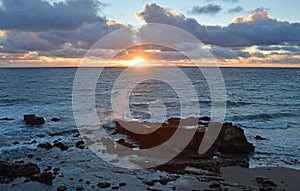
59 33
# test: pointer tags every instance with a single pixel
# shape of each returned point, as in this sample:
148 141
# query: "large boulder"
231 139
234 141
32 119
154 134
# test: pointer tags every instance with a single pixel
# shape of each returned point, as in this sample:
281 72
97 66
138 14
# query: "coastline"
75 167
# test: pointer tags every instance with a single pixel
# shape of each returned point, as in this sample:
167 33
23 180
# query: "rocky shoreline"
68 164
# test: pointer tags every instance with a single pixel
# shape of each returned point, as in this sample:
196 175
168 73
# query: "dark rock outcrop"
15 170
157 136
32 119
29 170
231 139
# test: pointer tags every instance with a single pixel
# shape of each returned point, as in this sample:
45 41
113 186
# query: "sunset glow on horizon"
137 62
249 35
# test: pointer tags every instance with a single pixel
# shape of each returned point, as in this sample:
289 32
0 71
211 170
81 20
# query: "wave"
252 117
14 101
277 153
229 103
265 126
140 103
237 103
262 116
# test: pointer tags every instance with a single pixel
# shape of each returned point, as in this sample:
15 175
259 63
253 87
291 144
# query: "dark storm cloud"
37 25
16 41
237 9
225 53
257 29
65 53
209 9
81 38
39 15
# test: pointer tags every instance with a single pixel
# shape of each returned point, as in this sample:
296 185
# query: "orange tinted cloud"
2 33
254 16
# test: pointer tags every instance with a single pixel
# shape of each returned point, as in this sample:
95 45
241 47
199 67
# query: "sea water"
263 101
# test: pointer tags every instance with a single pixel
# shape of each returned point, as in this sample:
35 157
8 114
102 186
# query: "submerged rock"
80 144
6 119
62 146
258 137
45 146
104 184
32 119
45 177
55 119
79 188
62 188
204 118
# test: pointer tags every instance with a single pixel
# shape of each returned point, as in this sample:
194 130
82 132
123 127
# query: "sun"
137 62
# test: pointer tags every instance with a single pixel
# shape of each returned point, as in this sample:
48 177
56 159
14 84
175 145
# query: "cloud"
280 48
16 41
65 33
237 9
258 55
37 25
255 16
257 29
81 38
209 9
39 15
165 16
260 9
225 53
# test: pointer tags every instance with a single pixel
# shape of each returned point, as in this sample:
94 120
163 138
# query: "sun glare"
138 62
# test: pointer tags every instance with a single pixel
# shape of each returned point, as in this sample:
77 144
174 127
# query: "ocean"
263 101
